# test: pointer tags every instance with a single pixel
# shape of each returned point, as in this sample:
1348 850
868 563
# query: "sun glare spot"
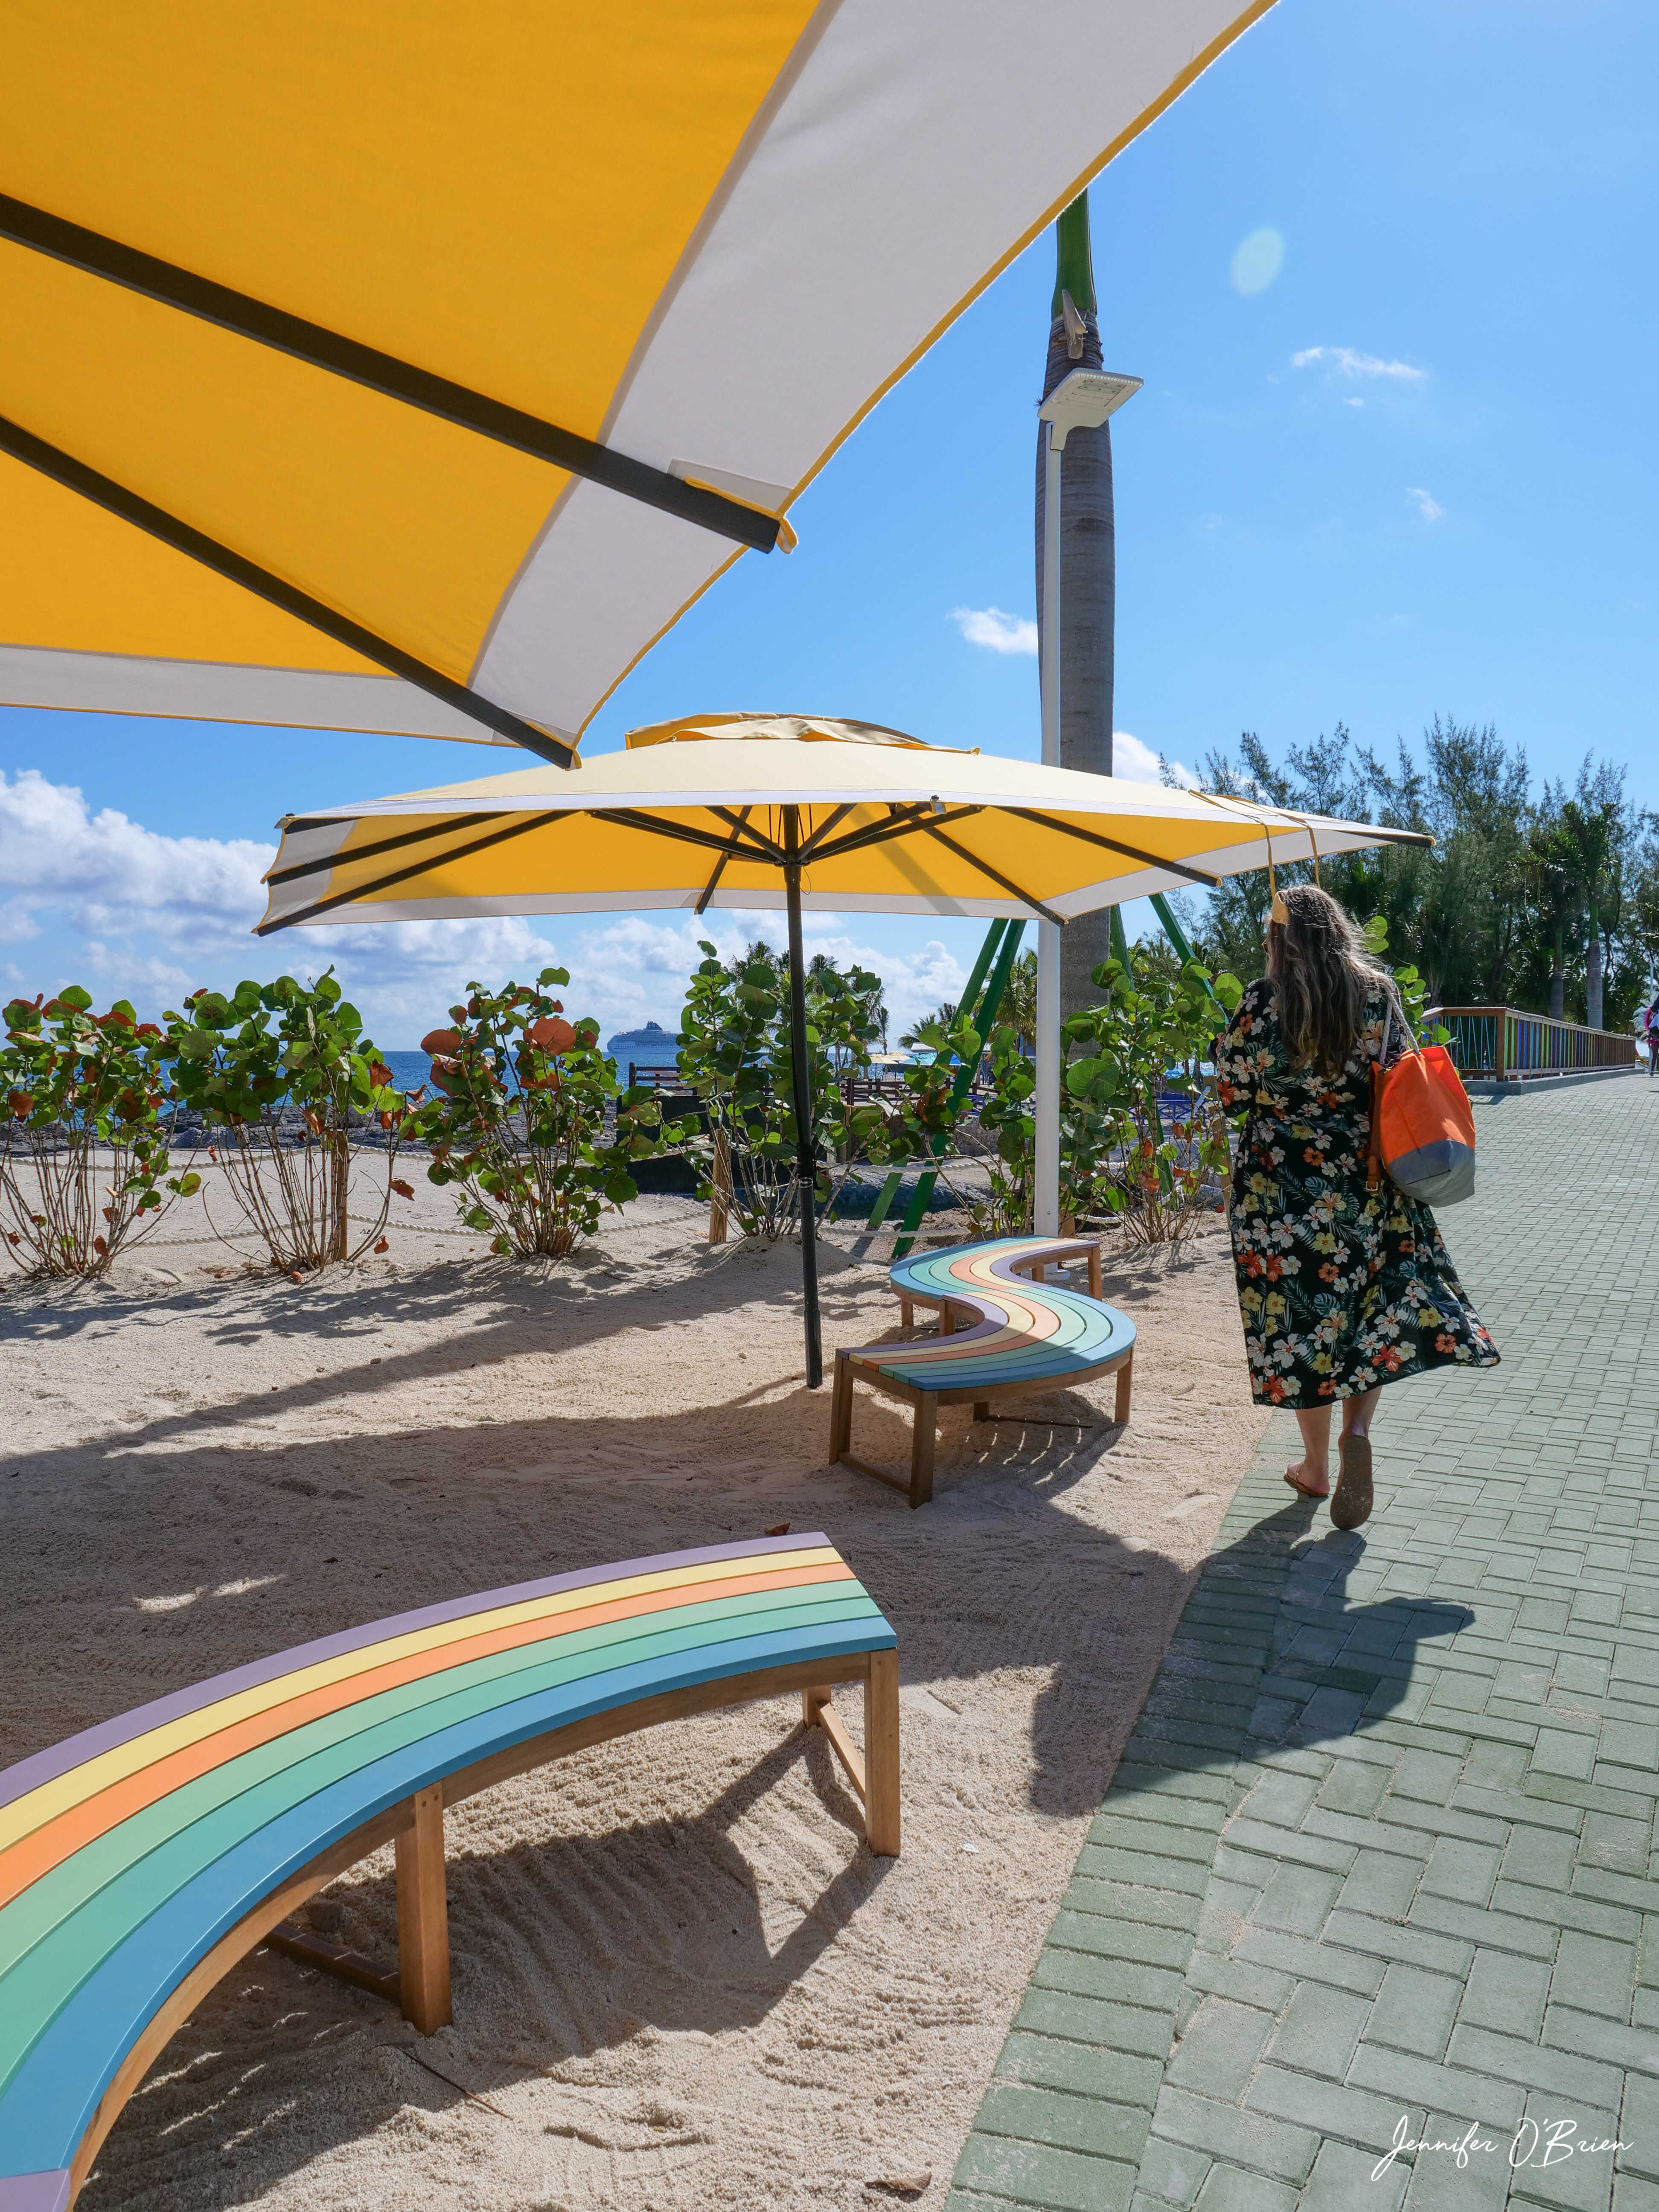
1257 262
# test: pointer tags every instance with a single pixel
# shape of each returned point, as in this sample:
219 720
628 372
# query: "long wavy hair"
1322 976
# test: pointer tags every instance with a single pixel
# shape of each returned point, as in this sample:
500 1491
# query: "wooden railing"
1508 1046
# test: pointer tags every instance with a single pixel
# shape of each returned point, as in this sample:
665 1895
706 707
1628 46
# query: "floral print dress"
1339 1287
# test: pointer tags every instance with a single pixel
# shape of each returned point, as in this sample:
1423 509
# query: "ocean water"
411 1069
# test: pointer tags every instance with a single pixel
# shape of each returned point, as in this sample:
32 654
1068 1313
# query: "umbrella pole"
806 1166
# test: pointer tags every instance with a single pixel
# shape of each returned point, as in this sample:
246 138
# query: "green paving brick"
1121 1981
1414 2011
1631 2194
1234 1977
1328 2108
1318 2030
1032 2173
1482 2051
1383 1882
1581 2183
1592 1975
1140 1832
1110 1937
1440 2184
1616 1923
1462 1871
1170 2174
1220 2047
1341 2179
1221 2129
1298 1956
1298 1898
1506 1993
1158 1908
1064 2123
1119 2076
1231 2189
1457 2090
1504 1931
1089 2019
1153 1871
1541 1855
1561 1751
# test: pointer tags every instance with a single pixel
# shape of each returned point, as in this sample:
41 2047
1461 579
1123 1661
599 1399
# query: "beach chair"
1003 1330
141 1860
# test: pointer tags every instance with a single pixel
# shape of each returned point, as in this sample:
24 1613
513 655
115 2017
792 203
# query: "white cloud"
1427 506
1344 361
1351 401
1137 763
634 970
1000 633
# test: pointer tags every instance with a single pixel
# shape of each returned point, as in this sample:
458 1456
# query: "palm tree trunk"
1593 976
1557 977
1088 578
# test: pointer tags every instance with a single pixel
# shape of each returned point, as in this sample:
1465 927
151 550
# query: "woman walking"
1342 1288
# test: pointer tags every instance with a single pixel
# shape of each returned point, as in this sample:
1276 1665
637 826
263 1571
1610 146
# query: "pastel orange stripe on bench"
55 1840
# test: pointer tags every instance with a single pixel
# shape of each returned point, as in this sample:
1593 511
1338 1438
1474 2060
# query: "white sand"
680 1979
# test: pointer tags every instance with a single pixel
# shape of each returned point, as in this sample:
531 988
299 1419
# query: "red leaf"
295 1276
442 1041
403 1189
382 1246
552 1035
13 1236
779 1529
379 1072
100 1247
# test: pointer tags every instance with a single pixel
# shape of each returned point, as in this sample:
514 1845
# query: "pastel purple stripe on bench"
35 2192
60 1758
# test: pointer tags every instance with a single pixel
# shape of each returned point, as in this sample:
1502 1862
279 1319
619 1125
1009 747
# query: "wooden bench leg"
1125 1382
923 1437
906 1313
423 1915
881 1755
840 1409
982 1409
813 1700
1094 1271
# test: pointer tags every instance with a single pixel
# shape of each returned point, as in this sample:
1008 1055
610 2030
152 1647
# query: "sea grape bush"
85 1156
1148 1039
518 1121
734 1053
254 1063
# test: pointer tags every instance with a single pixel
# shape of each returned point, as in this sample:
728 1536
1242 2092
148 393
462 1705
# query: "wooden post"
818 1695
921 1448
1094 1271
982 1409
423 1915
881 1755
1125 1382
841 1412
719 1210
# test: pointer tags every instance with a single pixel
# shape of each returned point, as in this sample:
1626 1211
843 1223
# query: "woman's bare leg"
1311 1472
1357 1412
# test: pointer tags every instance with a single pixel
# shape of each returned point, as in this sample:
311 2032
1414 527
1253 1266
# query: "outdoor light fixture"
1082 401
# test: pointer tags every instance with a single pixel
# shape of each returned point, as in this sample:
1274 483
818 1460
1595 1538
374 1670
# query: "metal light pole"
1082 401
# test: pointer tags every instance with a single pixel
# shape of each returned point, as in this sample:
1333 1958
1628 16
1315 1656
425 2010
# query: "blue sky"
1414 473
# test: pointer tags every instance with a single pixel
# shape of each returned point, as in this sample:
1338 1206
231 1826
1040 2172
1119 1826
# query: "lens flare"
1257 262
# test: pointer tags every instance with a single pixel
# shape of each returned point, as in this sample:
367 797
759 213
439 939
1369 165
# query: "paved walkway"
1381 1847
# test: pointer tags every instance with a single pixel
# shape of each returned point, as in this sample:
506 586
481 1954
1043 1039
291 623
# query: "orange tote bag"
1422 1127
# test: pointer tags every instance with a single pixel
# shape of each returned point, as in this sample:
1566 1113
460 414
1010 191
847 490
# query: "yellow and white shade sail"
706 236
704 812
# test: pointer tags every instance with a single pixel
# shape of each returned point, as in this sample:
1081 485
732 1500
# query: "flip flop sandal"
1351 1501
1302 1491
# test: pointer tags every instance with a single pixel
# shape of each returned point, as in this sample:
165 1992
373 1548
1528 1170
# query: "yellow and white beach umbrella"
771 810
414 368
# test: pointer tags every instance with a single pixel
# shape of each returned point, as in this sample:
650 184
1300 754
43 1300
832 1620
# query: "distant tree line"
1546 900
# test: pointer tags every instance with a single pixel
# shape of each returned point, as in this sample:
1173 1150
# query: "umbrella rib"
713 884
816 840
985 869
402 875
912 818
628 817
447 827
739 822
1112 845
75 476
96 255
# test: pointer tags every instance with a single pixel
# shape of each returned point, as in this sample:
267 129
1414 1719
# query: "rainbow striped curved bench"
140 1859
1002 1328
